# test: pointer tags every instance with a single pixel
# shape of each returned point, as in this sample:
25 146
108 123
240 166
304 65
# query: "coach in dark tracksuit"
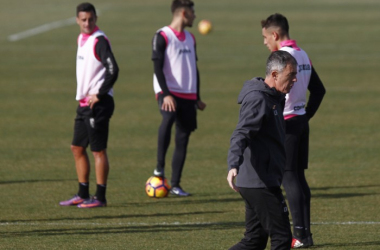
257 155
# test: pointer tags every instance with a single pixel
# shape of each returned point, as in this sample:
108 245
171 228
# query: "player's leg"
306 206
98 129
82 165
291 184
181 141
303 164
186 122
294 195
101 166
164 137
255 236
101 170
83 171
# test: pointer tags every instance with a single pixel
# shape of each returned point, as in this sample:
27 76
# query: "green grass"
38 107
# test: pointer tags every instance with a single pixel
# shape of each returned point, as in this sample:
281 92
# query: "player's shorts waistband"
289 116
84 102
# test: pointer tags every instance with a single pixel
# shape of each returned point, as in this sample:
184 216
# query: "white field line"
163 223
41 29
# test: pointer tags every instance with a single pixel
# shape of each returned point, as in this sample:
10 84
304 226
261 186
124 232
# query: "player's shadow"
102 230
318 192
102 217
342 187
341 195
177 201
33 181
358 245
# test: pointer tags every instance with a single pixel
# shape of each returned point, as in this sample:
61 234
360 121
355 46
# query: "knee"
78 151
181 140
99 154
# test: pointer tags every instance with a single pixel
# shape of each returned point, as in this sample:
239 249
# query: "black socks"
83 190
101 192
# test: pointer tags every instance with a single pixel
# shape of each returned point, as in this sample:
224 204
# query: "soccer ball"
204 27
157 187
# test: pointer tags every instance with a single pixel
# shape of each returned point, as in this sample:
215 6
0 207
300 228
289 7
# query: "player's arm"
158 57
200 104
104 54
317 92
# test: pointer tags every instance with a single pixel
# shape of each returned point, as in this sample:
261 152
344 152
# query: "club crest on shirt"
92 122
274 110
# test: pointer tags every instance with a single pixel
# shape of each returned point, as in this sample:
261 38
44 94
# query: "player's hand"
231 179
168 104
201 105
92 100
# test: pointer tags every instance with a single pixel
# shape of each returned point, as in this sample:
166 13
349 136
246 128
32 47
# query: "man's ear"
182 12
274 74
275 35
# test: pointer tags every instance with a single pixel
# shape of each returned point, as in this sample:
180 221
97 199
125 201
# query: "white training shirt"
90 70
179 64
296 98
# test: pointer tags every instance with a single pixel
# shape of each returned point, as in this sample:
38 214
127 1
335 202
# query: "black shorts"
297 143
91 125
186 112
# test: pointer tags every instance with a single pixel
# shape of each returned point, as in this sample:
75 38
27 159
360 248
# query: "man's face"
286 79
86 22
189 16
269 39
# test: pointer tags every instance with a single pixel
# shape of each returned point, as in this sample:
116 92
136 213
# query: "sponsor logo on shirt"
304 67
184 51
296 108
81 57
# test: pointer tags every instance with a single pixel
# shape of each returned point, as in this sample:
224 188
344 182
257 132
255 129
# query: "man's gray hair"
278 60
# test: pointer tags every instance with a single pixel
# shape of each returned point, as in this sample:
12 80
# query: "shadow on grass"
102 230
177 201
343 187
33 181
345 245
124 216
342 195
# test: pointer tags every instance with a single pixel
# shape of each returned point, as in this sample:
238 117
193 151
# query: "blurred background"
38 106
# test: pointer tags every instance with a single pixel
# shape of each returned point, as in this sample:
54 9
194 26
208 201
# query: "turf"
38 107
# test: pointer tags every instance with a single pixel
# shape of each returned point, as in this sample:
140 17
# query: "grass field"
38 107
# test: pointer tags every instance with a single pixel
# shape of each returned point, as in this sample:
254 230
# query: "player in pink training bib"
97 72
297 113
176 85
